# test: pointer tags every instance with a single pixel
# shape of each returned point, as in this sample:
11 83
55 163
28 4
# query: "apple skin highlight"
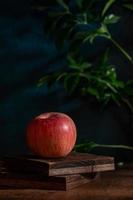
51 135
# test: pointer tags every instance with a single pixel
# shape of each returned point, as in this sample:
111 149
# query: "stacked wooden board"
55 174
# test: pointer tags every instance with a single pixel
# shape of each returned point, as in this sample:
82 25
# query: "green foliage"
129 6
89 146
85 147
63 4
100 82
107 6
84 23
111 19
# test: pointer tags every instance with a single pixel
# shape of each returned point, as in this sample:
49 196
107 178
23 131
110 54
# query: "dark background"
25 56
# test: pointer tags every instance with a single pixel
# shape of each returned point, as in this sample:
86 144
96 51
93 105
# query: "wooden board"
115 185
29 181
75 163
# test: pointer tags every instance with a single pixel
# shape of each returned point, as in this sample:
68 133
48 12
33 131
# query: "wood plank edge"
82 170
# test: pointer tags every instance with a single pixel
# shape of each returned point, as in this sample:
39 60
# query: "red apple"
51 134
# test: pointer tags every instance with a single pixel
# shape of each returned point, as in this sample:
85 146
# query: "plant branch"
115 146
120 48
128 104
91 145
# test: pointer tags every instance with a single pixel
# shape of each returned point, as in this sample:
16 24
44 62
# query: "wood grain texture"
114 185
75 163
30 181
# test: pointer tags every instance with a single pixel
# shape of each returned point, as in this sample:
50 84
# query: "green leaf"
93 91
105 100
100 32
79 3
116 99
59 26
51 23
129 6
42 81
75 83
107 6
79 35
104 58
68 81
85 65
107 83
78 65
119 84
111 73
85 147
61 76
63 4
111 19
59 21
49 79
72 61
91 37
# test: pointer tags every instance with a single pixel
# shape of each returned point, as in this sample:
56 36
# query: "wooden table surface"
116 185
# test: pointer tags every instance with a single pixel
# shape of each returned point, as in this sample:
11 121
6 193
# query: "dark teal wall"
25 55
